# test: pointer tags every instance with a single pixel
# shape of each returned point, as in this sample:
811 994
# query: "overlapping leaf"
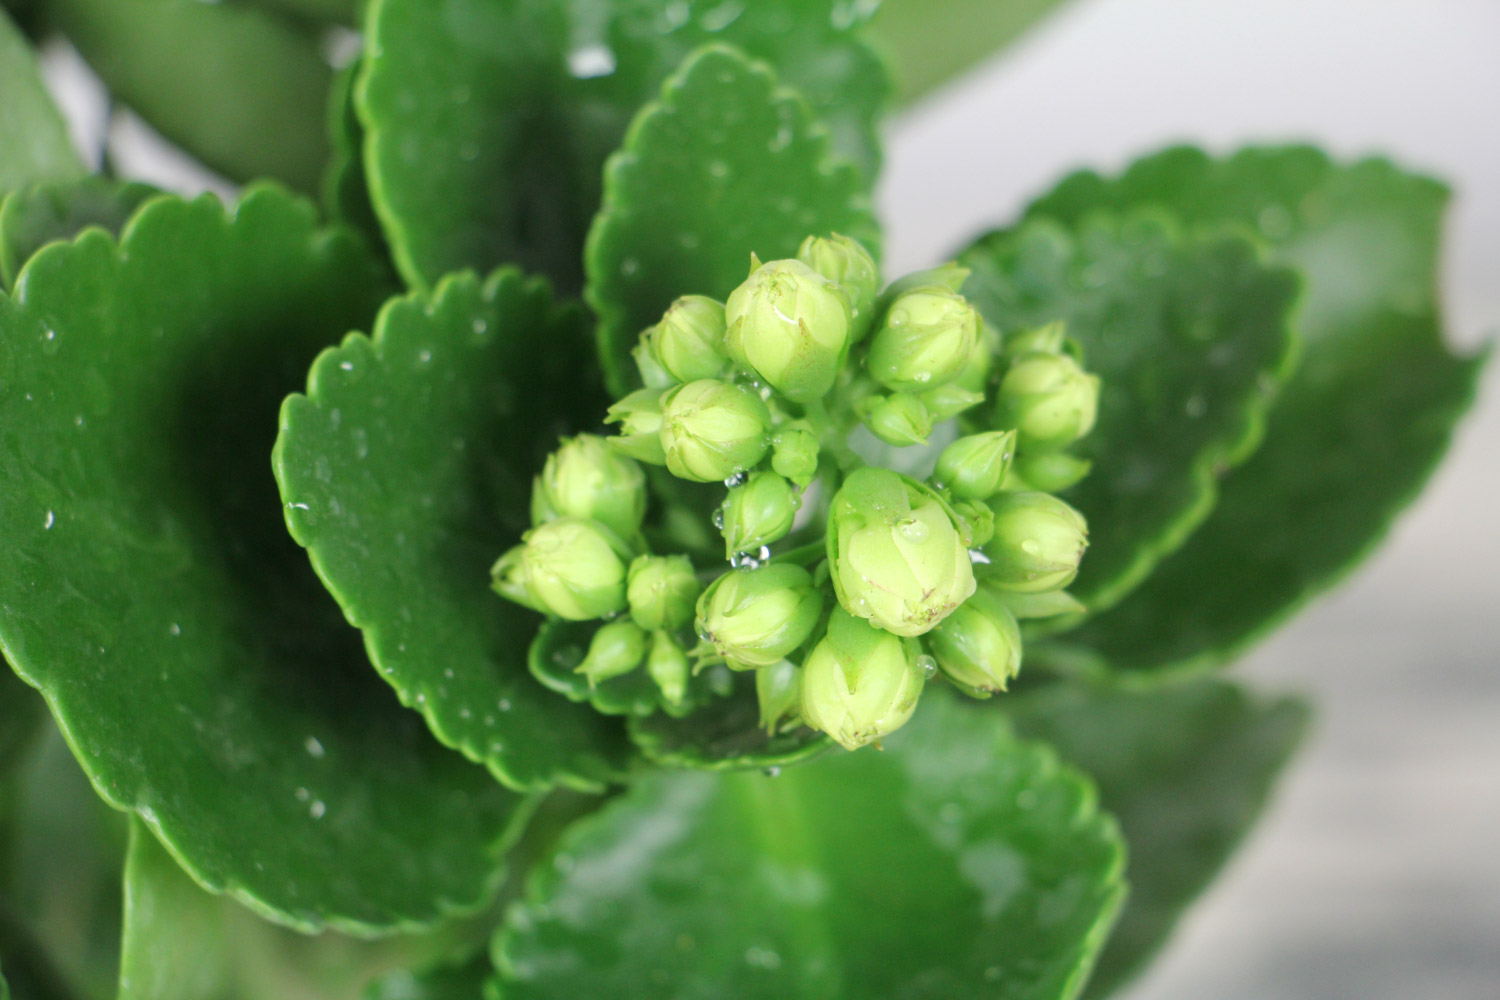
1189 336
406 471
203 678
958 864
1356 431
1186 770
726 164
489 120
37 215
36 145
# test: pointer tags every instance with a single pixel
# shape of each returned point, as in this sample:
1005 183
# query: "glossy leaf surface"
35 143
1186 770
1189 337
726 164
37 215
1357 429
958 864
406 470
202 676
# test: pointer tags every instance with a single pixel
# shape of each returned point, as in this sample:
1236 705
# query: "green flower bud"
849 265
712 430
895 553
778 689
1049 400
1048 471
978 647
1047 605
794 454
973 467
575 568
976 374
639 417
508 579
689 340
757 617
1050 338
758 512
653 375
976 523
617 648
668 666
899 419
789 325
860 684
926 339
948 400
661 591
1037 545
586 478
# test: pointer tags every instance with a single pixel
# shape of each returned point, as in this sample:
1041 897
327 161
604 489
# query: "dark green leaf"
406 471
726 164
202 675
34 143
1186 770
490 120
33 217
346 188
20 711
1357 429
958 864
1189 336
242 90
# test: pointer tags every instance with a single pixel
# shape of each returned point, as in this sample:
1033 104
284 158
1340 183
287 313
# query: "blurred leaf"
241 89
34 143
1357 429
725 164
35 216
452 981
959 864
345 187
1186 769
174 946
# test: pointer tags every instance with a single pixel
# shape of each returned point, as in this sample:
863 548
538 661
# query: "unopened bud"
508 579
712 430
789 325
1038 542
617 648
976 523
899 419
778 689
758 512
586 478
978 647
949 400
1049 400
662 591
755 618
1050 338
860 684
575 568
667 663
849 265
973 467
926 339
1045 605
653 375
1048 471
689 340
639 417
794 454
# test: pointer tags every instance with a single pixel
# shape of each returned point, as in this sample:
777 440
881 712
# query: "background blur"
1375 874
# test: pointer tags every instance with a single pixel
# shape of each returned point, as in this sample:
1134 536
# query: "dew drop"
425 356
1197 406
913 530
504 704
772 772
591 61
738 479
314 747
49 521
629 266
480 325
718 518
347 366
317 809
302 794
174 629
719 168
1031 547
928 665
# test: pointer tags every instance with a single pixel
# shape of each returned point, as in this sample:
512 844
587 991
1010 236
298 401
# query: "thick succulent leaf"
452 981
958 864
726 164
1186 769
490 120
34 143
1189 336
199 671
241 89
724 735
406 472
346 188
1357 429
35 216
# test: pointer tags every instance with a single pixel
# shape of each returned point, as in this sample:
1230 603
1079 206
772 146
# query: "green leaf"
958 864
490 120
239 88
20 711
453 981
35 216
35 144
560 646
406 471
1186 769
346 188
1189 336
1357 429
174 946
726 164
202 676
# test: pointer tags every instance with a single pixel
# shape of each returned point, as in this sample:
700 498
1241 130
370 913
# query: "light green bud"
978 647
949 400
899 419
639 417
895 553
1047 605
789 325
508 579
668 666
976 374
973 467
976 523
1048 471
848 264
794 454
860 684
662 591
584 477
689 340
1037 545
927 338
757 617
778 689
758 512
653 375
617 648
1050 338
1049 400
712 430
575 568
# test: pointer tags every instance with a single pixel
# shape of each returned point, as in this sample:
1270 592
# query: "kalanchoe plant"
654 508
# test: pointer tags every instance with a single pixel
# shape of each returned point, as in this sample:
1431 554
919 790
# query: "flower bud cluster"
848 586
